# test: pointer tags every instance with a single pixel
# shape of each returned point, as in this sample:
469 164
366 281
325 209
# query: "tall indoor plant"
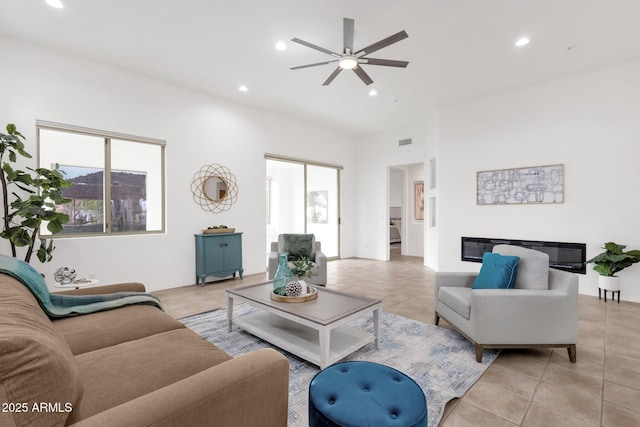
612 261
23 217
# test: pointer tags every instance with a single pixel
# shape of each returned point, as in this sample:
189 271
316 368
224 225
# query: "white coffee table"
313 330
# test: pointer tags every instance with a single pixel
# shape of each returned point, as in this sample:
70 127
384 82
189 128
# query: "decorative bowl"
312 293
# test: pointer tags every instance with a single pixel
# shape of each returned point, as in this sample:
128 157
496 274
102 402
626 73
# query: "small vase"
283 274
304 287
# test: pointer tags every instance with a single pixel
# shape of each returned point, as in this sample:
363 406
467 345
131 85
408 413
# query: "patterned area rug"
441 361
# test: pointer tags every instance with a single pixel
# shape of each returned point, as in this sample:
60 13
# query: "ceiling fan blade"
332 76
312 65
348 25
363 76
313 46
384 43
385 62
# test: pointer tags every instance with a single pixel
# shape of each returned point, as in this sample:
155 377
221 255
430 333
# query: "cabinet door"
233 252
214 253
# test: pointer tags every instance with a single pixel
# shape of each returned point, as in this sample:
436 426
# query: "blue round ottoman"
351 394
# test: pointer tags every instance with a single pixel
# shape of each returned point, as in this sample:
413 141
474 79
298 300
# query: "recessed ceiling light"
522 41
243 88
55 3
281 46
373 92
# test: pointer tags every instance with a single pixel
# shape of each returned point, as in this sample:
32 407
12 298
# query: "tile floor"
522 387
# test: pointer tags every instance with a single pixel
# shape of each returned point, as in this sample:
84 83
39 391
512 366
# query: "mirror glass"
215 188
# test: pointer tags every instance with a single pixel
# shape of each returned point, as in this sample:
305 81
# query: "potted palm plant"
612 261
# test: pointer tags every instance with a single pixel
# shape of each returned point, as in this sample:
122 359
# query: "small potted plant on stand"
611 261
301 268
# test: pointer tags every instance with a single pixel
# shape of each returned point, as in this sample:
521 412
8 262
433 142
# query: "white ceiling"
458 49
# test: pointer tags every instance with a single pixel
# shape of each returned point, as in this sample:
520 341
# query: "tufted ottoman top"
354 394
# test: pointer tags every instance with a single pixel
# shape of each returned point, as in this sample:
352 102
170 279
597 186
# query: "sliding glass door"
303 197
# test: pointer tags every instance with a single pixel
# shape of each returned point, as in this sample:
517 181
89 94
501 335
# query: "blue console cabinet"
218 255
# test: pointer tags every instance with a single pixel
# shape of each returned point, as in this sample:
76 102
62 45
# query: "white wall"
396 188
432 239
589 122
376 154
413 234
47 85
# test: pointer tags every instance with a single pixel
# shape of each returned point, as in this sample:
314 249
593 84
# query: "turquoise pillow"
497 272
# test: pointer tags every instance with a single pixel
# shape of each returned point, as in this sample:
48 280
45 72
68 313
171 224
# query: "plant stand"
613 294
609 284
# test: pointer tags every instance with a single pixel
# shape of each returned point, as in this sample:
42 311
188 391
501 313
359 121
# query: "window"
118 180
303 197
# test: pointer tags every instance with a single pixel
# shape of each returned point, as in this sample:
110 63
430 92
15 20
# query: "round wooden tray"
312 293
218 230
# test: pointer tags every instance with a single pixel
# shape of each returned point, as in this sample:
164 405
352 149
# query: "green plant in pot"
301 268
23 216
612 261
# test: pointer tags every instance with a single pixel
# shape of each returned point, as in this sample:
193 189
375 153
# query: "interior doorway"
406 210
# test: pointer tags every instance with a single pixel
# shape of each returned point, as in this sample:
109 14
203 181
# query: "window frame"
107 136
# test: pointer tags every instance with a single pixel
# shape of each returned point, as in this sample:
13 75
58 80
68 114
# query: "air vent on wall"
404 142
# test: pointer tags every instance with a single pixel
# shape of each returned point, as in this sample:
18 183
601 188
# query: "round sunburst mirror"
214 188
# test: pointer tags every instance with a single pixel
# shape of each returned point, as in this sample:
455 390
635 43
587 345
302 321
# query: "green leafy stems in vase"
301 269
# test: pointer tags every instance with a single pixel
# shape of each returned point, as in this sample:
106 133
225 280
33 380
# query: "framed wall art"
528 185
418 200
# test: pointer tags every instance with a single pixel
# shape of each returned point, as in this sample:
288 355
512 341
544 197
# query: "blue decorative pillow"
497 272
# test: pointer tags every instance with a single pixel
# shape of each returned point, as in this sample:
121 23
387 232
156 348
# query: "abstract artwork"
528 185
318 207
419 200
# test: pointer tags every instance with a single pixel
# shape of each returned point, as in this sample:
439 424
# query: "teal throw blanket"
57 306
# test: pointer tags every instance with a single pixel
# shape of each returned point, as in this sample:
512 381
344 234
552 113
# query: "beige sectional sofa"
132 366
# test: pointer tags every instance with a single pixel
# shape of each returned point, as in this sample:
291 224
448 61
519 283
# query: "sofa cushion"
457 298
107 328
297 245
533 268
36 364
120 373
497 272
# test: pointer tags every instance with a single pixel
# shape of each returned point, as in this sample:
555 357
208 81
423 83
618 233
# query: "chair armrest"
273 260
444 279
250 390
455 279
107 289
451 279
321 258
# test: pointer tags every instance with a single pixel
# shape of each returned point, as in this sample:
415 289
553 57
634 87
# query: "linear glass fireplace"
563 256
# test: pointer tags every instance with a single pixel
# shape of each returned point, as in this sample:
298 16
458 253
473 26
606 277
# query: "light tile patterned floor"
523 387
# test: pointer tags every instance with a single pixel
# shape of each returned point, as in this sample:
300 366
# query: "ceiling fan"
350 60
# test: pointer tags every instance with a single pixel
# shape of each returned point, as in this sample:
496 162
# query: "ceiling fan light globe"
348 63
